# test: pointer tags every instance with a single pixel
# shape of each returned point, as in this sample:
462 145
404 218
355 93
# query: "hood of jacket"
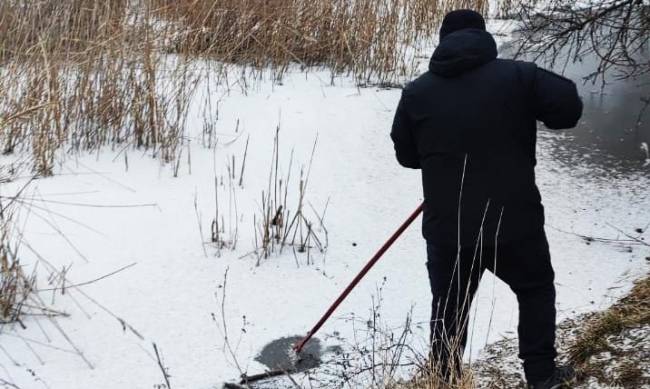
462 51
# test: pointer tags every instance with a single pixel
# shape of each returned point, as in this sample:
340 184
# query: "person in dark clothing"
470 123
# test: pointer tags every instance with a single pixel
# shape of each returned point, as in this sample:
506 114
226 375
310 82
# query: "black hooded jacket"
470 124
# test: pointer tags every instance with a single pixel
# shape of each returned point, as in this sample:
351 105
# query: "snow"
171 293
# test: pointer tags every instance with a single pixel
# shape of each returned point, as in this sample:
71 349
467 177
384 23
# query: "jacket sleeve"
556 100
402 136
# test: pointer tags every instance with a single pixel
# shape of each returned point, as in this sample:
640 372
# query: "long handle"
298 346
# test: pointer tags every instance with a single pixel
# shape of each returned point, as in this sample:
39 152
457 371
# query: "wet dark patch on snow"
279 355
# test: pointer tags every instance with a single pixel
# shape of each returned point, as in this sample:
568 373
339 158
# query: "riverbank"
609 349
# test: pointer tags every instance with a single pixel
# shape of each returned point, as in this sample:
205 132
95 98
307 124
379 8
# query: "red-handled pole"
298 346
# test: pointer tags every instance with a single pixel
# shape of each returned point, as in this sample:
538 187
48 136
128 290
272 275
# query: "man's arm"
402 136
557 103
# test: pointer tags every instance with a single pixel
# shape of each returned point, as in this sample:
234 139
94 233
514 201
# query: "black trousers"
525 266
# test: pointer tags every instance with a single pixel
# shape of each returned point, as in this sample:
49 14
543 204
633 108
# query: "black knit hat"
461 19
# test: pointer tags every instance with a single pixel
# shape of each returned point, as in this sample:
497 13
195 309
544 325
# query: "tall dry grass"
16 286
81 74
370 39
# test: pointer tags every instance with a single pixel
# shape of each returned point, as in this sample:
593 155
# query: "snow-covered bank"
169 296
608 348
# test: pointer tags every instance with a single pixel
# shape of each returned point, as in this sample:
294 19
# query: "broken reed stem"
162 367
224 325
243 164
198 220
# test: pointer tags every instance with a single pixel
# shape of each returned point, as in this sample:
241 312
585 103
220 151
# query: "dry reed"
370 39
82 74
16 287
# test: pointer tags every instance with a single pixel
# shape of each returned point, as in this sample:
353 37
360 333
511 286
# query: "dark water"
278 354
613 128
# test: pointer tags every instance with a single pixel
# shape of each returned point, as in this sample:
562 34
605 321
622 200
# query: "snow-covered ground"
172 291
